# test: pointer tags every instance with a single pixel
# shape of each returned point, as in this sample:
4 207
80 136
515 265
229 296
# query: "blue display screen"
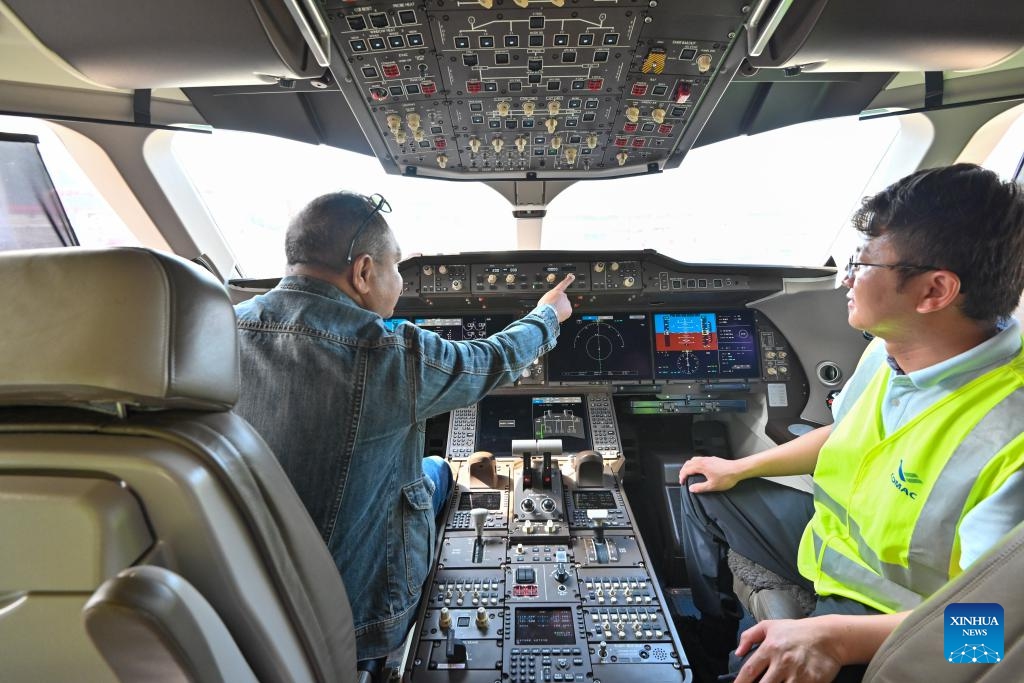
711 345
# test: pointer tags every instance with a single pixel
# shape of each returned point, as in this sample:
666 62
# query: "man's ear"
361 273
939 290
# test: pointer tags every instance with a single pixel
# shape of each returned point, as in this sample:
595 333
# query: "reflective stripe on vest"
926 535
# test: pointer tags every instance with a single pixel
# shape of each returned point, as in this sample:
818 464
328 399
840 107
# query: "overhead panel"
532 88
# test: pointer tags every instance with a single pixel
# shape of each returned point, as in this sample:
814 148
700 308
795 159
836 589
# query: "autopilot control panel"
541 575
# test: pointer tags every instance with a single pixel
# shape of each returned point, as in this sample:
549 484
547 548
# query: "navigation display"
713 345
500 419
606 347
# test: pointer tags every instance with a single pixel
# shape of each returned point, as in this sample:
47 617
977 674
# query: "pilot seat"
146 532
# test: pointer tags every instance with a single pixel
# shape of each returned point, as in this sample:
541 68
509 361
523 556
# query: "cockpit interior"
145 533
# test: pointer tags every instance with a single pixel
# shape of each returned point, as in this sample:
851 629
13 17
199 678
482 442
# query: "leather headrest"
106 326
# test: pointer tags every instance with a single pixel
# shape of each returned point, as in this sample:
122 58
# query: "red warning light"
595 84
390 70
621 141
639 142
639 90
682 93
665 129
473 87
428 88
629 126
378 94
440 143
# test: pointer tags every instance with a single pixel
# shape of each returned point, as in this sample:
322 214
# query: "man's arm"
457 374
812 650
798 456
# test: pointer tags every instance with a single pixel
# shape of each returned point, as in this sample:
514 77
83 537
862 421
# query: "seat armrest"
151 624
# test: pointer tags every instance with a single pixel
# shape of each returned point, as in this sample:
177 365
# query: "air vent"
829 373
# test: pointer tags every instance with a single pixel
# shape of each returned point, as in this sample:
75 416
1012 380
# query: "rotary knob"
599 267
428 270
456 285
443 270
629 281
510 279
528 505
547 505
615 266
492 278
551 277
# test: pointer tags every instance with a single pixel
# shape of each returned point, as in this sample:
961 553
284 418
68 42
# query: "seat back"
915 651
118 369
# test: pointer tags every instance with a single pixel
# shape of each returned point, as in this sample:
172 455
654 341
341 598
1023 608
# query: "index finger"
564 284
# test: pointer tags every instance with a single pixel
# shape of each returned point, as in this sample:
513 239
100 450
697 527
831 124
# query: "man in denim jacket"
342 401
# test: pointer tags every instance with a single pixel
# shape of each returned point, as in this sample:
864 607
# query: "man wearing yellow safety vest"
920 472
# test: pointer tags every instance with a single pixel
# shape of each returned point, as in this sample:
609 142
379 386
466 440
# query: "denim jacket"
343 403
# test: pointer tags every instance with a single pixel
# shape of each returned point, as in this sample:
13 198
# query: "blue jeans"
438 471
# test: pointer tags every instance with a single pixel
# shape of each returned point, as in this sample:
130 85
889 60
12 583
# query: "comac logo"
901 481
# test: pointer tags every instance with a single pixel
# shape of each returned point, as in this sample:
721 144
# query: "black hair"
321 232
961 218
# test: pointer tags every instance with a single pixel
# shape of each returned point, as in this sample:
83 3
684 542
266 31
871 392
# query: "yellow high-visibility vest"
887 508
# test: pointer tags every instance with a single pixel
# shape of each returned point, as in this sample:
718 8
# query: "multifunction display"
630 348
611 347
504 418
545 626
705 345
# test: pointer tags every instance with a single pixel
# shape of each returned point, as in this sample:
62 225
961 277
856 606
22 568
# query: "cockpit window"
253 184
780 197
93 219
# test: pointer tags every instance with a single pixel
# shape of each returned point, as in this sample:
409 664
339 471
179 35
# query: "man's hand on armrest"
812 650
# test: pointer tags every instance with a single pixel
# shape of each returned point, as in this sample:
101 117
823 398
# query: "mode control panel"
490 278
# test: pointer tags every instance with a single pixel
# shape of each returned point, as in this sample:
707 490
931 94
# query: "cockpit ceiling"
519 89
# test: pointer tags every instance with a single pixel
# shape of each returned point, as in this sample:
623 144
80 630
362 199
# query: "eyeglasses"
852 267
380 205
